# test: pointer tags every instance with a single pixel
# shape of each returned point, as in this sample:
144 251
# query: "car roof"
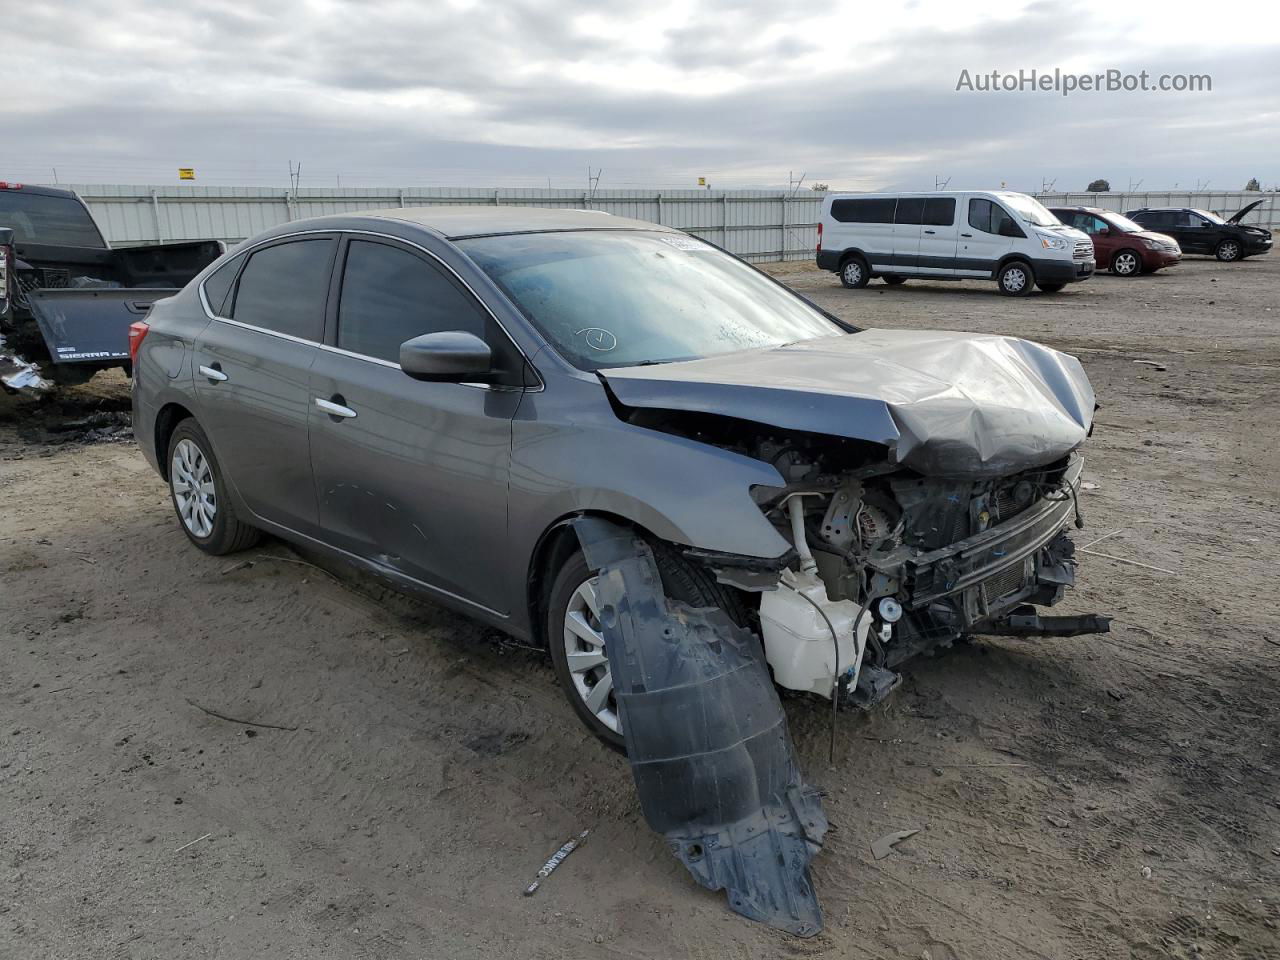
458 222
1082 209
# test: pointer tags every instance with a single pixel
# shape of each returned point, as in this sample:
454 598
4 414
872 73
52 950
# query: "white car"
954 235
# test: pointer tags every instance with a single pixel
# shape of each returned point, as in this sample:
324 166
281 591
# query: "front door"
253 368
410 475
981 245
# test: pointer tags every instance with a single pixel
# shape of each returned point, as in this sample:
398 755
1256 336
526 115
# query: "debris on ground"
1152 363
884 846
557 858
1062 823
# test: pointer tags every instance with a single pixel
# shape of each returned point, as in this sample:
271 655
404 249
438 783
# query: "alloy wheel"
585 654
1126 263
1228 250
191 479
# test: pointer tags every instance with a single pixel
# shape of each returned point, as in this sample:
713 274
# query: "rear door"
939 235
253 375
410 475
906 233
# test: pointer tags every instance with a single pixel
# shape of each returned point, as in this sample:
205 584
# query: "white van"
955 235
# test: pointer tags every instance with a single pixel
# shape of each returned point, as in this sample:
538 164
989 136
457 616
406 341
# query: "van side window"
910 210
863 211
390 295
284 288
939 211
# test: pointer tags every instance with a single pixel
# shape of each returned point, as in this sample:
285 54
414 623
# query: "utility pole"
939 183
295 176
593 182
55 175
1134 185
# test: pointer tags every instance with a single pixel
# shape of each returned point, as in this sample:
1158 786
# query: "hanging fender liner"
706 738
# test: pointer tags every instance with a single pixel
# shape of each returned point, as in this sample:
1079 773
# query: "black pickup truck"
66 297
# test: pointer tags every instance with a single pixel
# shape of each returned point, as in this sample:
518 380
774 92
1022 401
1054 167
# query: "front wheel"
1126 263
577 642
1015 279
199 494
1228 250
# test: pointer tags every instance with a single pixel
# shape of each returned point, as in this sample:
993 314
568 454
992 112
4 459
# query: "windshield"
1211 217
1124 223
621 298
57 221
1030 210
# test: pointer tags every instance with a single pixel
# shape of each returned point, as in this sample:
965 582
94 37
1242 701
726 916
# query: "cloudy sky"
521 93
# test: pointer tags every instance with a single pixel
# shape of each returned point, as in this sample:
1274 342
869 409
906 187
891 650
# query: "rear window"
284 288
57 221
863 211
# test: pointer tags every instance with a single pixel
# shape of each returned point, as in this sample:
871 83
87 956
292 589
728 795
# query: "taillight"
137 333
819 238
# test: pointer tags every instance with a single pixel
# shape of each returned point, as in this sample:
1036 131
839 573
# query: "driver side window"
390 295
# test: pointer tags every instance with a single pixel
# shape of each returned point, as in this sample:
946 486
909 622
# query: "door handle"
966 234
931 231
335 407
214 372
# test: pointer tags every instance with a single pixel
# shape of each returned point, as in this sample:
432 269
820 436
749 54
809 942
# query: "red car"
1126 247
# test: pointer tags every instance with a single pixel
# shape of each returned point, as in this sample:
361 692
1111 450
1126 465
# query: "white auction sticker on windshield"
681 242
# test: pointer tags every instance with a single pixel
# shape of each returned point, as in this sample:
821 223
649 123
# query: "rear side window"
390 295
283 288
939 211
987 216
910 210
863 211
219 284
1151 219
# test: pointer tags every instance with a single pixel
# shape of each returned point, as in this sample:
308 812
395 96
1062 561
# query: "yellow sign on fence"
702 181
186 173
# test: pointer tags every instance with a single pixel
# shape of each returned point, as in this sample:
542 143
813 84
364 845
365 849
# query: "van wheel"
199 494
854 273
1015 279
576 638
1227 251
895 281
1050 287
1126 263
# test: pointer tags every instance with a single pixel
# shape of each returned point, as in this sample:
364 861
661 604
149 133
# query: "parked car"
435 395
66 297
1128 248
1002 236
1199 231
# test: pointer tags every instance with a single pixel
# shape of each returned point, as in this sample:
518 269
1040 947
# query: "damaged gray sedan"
616 440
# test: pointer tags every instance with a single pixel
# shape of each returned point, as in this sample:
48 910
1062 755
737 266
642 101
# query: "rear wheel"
1015 279
1126 263
1228 250
854 273
199 494
576 637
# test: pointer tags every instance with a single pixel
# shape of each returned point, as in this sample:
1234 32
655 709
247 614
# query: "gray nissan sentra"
435 394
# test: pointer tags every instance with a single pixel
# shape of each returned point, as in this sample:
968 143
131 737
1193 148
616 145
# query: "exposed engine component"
809 639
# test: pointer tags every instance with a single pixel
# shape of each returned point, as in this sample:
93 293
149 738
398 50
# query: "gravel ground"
1097 797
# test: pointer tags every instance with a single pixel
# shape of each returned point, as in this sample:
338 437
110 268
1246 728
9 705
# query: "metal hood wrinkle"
945 404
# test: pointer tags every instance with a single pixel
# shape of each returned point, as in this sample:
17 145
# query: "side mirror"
453 356
1104 232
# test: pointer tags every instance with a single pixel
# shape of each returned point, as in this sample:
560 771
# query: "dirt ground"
1098 797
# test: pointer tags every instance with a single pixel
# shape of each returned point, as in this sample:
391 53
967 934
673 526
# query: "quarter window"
219 284
863 211
390 295
284 288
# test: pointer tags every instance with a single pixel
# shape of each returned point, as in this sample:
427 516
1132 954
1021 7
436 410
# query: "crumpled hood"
945 404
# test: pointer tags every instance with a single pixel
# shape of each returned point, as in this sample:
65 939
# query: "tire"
1050 287
1015 279
1228 251
895 281
207 517
681 580
854 273
1126 263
